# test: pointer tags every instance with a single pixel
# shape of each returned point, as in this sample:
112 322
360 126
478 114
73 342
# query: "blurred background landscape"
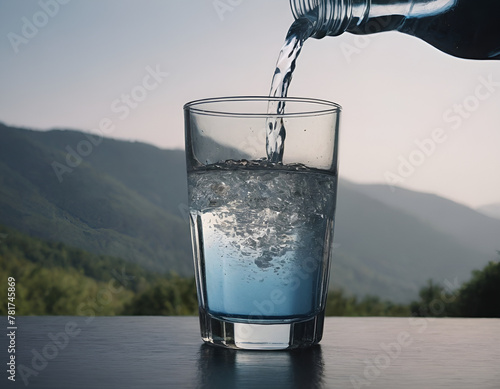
111 232
98 225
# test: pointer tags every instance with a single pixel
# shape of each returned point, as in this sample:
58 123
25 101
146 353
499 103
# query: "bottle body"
462 28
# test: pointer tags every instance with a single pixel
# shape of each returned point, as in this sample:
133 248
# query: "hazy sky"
411 114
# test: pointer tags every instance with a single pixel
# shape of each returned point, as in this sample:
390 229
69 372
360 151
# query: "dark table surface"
167 352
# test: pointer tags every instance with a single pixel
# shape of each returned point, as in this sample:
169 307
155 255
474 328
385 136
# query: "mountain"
491 210
128 200
466 225
381 248
87 284
118 200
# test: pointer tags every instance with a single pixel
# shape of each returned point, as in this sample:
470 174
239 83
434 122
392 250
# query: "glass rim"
321 107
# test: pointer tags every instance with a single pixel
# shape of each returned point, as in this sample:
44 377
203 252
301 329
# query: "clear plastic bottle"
462 28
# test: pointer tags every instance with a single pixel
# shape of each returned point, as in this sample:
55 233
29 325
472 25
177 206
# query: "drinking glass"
262 231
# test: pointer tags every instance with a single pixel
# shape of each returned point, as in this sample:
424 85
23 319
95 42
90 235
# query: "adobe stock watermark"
123 106
360 42
57 342
104 296
40 359
277 297
453 118
254 144
30 27
389 352
251 145
222 7
355 47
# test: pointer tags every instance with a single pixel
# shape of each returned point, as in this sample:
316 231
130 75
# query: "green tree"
51 278
339 304
434 301
170 296
476 298
480 296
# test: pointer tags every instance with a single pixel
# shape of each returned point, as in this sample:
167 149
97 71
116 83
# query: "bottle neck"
334 17
330 17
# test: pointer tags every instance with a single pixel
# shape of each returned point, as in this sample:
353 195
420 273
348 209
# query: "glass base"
257 336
